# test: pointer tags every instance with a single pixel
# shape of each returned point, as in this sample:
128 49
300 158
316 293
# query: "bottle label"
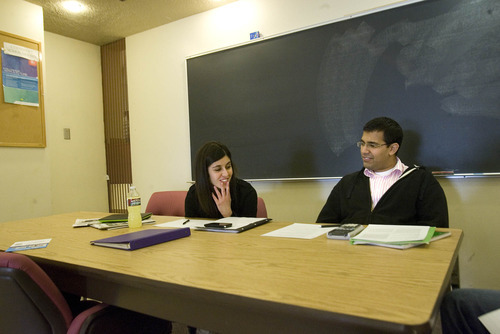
134 201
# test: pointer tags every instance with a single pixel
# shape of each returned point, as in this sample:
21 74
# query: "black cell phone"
218 225
345 231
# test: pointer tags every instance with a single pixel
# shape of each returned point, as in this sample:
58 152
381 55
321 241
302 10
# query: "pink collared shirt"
382 181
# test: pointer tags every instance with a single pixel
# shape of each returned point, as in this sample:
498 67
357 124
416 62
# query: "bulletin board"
22 119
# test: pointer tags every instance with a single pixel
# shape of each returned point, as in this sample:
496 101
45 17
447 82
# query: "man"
461 309
386 191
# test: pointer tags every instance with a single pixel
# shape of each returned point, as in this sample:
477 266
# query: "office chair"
171 203
30 302
261 208
167 203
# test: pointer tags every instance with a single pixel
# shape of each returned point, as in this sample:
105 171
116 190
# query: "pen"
330 225
187 220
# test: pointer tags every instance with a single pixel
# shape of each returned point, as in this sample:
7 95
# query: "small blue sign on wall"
255 35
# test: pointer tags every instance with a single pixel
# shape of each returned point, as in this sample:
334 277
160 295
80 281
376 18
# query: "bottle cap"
132 187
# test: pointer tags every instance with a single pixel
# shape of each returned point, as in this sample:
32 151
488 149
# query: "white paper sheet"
191 223
491 321
300 231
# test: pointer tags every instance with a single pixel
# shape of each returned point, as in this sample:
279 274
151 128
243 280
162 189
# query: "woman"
217 192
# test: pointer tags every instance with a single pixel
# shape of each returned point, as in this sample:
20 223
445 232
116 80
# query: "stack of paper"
397 236
111 222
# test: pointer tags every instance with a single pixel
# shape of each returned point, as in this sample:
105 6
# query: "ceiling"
109 20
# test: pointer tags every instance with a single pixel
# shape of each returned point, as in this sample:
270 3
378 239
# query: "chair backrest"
30 302
261 208
167 203
171 203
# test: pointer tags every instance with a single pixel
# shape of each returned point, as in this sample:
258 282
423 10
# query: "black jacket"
243 202
415 199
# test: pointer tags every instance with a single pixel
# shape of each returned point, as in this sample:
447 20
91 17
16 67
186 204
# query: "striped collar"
398 169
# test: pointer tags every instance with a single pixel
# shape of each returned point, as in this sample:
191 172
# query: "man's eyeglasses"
361 144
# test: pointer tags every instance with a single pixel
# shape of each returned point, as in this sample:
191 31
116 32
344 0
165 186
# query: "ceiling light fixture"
74 6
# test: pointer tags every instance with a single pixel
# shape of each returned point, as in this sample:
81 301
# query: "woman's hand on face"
222 198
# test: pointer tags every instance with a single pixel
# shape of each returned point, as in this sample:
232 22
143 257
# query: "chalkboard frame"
259 149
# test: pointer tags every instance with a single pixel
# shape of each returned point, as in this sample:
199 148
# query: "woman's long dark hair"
207 155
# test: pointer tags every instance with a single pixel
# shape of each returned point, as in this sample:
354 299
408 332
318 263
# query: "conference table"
246 282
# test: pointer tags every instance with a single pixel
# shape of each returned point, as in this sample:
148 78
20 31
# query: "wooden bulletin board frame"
22 125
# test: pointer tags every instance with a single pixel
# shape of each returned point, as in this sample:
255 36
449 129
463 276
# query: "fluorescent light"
74 6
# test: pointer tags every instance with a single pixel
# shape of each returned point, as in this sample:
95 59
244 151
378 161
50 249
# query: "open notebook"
239 224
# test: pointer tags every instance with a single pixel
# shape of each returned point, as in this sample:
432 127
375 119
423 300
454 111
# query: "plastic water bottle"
134 208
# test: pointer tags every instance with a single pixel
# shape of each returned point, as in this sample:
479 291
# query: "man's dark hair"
393 133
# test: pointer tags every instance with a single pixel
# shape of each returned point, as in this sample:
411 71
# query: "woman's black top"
243 202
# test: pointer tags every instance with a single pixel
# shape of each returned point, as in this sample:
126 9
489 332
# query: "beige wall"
66 175
160 124
474 207
74 100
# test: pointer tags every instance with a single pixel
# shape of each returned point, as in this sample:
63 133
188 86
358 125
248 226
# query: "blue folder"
144 238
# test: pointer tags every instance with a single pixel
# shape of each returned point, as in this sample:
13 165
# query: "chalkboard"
293 106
